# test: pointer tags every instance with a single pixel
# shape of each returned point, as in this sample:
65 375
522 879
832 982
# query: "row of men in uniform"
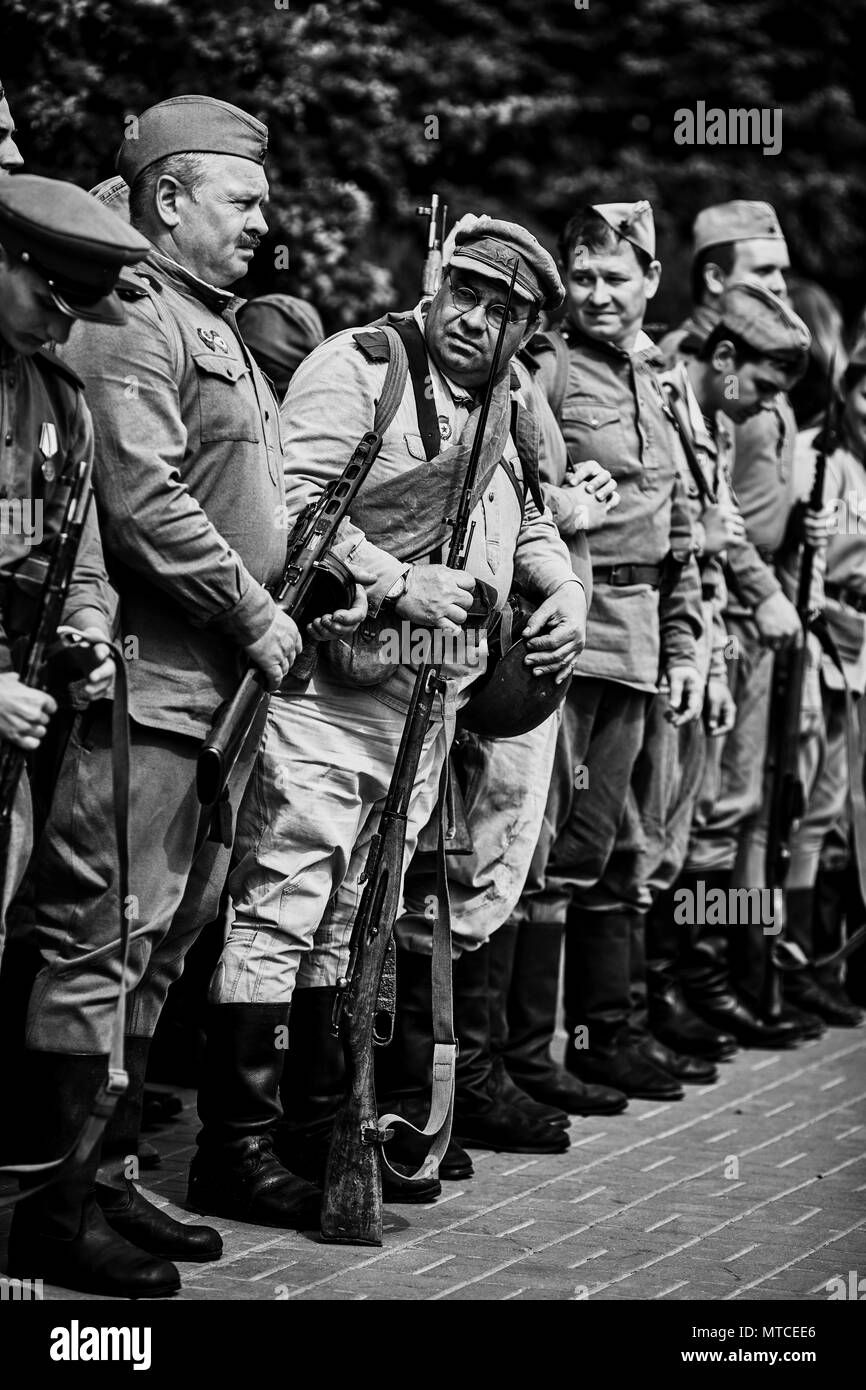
648 776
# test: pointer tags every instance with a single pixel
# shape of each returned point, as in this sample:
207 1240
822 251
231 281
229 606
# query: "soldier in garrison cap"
305 827
830 757
188 476
645 619
59 258
733 242
10 155
280 331
761 345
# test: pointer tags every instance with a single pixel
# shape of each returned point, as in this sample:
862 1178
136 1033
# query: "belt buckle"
613 577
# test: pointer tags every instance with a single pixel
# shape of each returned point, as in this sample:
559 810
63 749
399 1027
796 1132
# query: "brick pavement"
754 1188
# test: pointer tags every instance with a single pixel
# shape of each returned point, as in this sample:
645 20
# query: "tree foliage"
536 107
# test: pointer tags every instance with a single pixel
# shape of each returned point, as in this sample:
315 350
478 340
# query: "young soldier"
757 346
733 240
830 761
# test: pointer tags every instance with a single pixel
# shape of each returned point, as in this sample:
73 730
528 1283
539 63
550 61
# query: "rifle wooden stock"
311 586
352 1201
58 576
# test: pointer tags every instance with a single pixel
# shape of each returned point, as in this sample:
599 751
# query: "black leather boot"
532 1002
502 946
404 1071
125 1209
598 1006
60 1234
235 1172
803 988
669 1017
695 1071
706 977
313 1088
483 1114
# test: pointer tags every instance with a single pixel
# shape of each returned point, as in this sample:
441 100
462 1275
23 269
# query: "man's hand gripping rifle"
352 1203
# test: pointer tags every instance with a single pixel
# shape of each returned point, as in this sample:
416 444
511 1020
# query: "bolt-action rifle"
314 582
787 798
352 1203
431 277
53 575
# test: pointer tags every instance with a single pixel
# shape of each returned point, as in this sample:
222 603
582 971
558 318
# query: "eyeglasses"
465 299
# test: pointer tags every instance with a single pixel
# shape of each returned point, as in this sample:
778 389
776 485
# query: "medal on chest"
48 446
213 340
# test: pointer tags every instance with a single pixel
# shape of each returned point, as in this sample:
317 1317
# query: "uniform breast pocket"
594 431
227 405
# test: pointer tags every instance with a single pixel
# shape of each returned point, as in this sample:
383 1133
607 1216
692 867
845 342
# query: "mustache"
250 240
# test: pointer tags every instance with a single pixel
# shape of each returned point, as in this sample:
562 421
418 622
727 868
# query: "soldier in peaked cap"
305 826
645 619
732 242
189 480
60 257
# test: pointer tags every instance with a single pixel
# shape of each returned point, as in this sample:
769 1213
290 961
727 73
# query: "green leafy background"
540 106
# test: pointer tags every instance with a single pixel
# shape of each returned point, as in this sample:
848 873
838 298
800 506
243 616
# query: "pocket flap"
593 416
229 368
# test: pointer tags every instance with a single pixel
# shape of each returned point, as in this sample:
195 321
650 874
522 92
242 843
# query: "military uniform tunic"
189 484
44 426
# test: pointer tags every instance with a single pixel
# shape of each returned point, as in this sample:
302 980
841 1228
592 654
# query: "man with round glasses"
313 804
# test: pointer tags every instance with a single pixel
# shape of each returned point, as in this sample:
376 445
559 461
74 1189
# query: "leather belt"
851 597
620 575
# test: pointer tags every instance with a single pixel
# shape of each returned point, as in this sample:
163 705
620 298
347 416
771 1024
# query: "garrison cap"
113 193
280 329
489 247
190 125
764 321
78 246
740 220
634 221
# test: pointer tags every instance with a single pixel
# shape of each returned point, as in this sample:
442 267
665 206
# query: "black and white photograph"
432 639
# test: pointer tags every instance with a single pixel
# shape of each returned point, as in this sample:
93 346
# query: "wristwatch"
397 590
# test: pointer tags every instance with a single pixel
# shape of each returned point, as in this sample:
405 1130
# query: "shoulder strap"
683 427
416 352
153 293
556 399
395 381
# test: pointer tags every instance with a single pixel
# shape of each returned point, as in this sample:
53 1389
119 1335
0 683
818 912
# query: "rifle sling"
416 353
683 425
106 1098
438 1125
